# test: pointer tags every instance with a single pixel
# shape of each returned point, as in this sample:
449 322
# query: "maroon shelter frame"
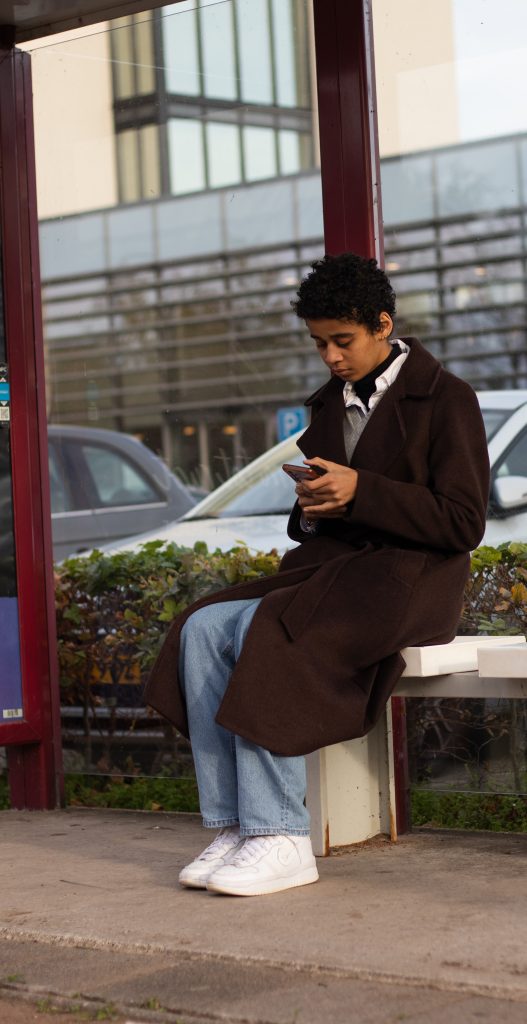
352 221
33 743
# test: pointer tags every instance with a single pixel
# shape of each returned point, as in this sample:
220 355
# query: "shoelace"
252 849
224 839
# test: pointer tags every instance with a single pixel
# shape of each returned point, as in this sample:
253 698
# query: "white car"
254 505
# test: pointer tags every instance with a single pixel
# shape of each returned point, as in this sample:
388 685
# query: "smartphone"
301 473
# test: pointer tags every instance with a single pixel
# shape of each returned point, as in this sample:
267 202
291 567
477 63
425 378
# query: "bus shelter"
29 685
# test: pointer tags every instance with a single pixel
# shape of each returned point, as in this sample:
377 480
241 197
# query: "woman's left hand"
327 496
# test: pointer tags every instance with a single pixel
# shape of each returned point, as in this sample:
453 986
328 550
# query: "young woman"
264 672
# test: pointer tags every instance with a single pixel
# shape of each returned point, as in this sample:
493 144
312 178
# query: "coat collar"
418 376
385 433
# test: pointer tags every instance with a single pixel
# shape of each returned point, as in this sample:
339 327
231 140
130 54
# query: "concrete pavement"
431 929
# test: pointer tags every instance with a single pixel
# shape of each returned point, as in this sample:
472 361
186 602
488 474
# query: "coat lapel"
325 435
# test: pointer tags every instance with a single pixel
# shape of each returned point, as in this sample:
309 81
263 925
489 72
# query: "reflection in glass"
219 62
128 164
123 56
259 152
289 152
284 49
223 148
180 48
187 163
150 161
255 51
144 55
477 178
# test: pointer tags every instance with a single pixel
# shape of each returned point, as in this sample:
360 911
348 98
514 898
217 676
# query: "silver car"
106 486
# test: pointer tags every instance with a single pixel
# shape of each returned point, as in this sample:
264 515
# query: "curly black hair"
345 287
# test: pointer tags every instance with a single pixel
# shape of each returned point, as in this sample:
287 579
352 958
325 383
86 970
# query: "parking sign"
290 419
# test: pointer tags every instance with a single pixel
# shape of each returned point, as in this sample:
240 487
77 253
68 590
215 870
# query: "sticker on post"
12 713
4 394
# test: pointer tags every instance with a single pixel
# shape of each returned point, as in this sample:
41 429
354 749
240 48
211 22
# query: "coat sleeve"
450 512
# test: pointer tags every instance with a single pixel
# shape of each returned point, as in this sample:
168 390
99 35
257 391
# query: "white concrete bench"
351 786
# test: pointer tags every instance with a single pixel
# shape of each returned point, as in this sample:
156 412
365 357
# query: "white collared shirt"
382 383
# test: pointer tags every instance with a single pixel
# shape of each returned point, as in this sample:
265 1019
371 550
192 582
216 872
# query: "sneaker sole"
265 888
193 883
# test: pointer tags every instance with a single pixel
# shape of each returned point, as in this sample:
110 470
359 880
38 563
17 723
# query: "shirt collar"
382 382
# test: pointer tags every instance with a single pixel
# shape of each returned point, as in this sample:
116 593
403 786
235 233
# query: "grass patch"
471 811
139 794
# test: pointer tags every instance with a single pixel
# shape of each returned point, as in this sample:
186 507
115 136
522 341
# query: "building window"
138 163
223 151
186 155
221 86
179 29
259 151
219 59
254 44
133 55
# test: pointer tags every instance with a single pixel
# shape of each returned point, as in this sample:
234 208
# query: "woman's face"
350 350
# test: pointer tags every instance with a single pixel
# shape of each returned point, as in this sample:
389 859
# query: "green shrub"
496 593
475 811
113 610
140 794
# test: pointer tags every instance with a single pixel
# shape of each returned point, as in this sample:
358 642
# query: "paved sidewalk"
433 928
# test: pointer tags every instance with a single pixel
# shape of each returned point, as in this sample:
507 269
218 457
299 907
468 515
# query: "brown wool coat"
321 656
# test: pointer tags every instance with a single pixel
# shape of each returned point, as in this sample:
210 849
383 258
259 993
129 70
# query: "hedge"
113 610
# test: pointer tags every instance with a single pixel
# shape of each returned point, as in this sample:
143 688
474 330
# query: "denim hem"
281 831
220 822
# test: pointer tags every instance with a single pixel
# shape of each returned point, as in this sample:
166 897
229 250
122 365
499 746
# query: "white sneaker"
217 853
266 864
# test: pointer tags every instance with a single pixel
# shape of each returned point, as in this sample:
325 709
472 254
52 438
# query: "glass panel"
61 498
452 135
259 152
223 149
289 151
169 320
129 167
144 55
115 480
219 62
150 161
477 178
124 59
255 51
493 419
187 164
180 48
455 178
515 461
284 53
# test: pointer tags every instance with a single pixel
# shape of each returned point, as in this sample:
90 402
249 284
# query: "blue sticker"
10 673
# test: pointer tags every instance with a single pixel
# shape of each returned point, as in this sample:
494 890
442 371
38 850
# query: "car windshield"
493 419
267 490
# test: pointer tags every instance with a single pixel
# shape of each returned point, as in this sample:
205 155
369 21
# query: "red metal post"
34 749
349 151
351 194
401 773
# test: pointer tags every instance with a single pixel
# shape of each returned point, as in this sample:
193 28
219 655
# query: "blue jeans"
238 782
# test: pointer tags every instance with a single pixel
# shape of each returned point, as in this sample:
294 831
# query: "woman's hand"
327 496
